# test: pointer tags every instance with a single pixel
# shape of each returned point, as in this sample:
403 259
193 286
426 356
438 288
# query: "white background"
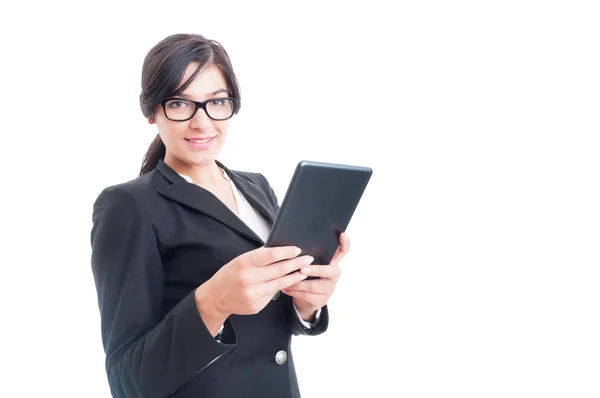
475 263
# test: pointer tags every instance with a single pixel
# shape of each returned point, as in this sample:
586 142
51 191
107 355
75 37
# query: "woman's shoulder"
127 193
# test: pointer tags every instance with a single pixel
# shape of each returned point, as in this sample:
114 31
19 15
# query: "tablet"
317 207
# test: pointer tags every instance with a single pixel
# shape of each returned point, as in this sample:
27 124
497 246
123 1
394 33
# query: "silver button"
280 357
276 296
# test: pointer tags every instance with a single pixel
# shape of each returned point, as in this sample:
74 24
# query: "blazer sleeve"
147 354
295 325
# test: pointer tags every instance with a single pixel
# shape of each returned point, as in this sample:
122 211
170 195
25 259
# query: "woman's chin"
202 159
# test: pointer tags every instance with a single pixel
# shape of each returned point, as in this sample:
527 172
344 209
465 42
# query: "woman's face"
198 141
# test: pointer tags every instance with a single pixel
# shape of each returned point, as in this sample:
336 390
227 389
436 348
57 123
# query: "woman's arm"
319 327
146 355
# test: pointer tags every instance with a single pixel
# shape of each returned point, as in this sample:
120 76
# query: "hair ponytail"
156 151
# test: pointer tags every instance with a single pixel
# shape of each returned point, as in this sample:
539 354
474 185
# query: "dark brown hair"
162 75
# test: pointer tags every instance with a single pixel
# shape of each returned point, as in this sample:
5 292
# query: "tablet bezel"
357 176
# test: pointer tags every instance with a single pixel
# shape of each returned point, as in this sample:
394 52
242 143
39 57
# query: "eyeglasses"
180 110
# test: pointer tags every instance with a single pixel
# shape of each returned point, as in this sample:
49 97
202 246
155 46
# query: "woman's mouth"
200 143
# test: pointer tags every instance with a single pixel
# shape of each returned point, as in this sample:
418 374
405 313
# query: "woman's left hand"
310 295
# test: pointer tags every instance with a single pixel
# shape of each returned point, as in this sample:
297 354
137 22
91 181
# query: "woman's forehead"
208 81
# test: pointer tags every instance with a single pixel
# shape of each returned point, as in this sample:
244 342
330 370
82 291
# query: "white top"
252 218
248 214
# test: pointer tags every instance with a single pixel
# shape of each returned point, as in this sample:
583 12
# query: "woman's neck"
208 175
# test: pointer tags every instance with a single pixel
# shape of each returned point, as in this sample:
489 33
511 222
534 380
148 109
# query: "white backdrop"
475 263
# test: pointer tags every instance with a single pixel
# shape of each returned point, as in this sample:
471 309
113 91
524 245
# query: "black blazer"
154 240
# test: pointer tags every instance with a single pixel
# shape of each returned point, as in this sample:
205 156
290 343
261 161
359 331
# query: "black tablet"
317 207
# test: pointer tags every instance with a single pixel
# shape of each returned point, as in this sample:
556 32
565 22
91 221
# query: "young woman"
190 299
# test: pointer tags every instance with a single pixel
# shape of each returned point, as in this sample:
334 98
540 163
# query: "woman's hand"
247 283
310 295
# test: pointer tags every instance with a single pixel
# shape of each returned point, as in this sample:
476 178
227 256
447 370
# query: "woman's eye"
177 104
217 102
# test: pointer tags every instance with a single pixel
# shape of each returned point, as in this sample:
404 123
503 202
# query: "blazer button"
280 357
276 296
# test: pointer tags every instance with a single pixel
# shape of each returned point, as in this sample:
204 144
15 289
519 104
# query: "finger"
317 286
342 249
332 272
272 286
313 298
269 255
277 270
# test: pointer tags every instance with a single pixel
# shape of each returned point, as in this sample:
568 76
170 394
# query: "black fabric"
154 240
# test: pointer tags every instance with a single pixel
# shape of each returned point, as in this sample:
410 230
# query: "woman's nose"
201 121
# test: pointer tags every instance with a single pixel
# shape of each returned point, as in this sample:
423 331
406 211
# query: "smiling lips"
199 140
200 143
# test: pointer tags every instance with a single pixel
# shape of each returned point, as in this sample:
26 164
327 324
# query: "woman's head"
180 70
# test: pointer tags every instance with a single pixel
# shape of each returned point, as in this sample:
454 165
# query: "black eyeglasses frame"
199 105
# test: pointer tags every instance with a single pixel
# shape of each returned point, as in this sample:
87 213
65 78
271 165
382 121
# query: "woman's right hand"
246 284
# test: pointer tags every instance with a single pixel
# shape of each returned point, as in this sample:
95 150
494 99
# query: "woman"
189 297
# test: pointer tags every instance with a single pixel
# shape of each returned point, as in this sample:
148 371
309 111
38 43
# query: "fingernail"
306 270
309 259
297 251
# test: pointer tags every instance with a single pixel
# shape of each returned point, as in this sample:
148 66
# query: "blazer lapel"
254 194
199 199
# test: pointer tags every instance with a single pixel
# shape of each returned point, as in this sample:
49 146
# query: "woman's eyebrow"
219 91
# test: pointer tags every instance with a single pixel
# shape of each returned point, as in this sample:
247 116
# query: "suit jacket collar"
201 200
